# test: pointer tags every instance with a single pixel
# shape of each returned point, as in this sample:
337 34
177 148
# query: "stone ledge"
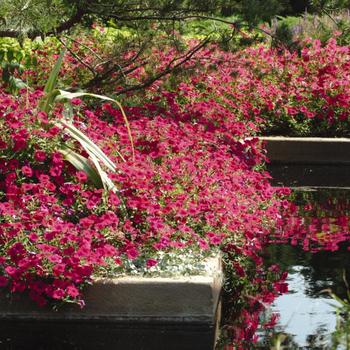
192 299
310 150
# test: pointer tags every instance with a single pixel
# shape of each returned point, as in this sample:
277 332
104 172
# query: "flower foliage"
194 183
188 188
271 91
280 92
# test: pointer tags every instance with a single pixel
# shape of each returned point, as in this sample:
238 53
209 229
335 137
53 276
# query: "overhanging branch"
32 34
179 61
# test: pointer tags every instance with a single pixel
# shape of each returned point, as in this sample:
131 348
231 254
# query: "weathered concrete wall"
310 150
183 308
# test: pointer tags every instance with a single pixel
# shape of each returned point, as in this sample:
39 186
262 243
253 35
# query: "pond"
313 247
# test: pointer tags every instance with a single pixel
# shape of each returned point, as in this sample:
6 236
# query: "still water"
313 247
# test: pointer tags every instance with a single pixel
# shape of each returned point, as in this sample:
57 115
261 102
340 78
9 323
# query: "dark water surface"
24 335
307 313
299 175
313 248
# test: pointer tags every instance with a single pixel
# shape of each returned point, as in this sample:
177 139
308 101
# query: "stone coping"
309 139
307 150
188 299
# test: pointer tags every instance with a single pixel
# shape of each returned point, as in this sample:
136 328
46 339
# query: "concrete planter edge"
187 299
308 150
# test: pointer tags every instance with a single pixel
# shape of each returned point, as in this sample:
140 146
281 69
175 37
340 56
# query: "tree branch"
99 78
79 59
168 18
169 69
70 22
32 34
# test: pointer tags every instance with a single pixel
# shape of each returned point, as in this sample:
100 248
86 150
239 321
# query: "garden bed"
92 192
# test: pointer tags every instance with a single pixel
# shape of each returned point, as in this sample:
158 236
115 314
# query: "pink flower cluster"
274 91
267 90
47 244
189 186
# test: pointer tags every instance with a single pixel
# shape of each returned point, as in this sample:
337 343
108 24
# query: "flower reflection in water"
312 244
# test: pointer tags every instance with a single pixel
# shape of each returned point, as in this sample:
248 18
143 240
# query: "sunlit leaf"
82 164
87 143
71 95
49 91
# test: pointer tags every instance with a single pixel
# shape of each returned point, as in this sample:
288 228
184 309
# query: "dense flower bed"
194 185
277 91
299 93
306 94
188 189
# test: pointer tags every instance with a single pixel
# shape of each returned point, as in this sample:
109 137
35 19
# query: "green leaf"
82 164
106 181
5 74
18 83
87 144
71 95
50 94
96 174
95 154
48 101
52 81
10 55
